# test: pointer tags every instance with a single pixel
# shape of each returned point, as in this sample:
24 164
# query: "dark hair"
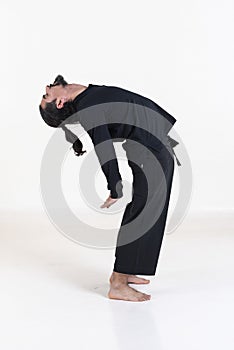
54 117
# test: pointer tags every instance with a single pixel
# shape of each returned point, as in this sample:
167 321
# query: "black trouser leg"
138 248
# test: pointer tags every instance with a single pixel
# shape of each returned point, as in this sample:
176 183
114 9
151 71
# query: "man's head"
55 105
55 92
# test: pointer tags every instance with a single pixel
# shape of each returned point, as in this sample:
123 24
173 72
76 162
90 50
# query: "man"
112 113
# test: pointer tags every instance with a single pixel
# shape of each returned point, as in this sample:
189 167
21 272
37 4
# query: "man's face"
55 91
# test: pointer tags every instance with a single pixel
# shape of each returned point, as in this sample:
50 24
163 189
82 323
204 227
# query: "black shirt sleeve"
107 158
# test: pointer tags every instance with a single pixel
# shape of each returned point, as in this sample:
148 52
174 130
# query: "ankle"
119 278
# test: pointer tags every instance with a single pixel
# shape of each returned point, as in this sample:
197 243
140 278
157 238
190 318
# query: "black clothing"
137 251
142 228
131 111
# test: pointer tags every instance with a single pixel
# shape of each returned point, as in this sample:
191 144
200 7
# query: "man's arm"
106 151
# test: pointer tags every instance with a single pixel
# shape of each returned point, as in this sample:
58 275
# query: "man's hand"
109 202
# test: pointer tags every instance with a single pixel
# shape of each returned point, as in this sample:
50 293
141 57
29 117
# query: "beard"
59 80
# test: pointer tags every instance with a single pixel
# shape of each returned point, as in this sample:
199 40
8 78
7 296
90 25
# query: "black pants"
142 228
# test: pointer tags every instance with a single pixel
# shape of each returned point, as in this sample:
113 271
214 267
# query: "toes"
138 280
145 280
144 296
147 296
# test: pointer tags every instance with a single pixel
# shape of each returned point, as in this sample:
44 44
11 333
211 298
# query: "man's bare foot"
120 290
133 279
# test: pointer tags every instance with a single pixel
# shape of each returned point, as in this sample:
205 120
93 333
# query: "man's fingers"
108 203
105 204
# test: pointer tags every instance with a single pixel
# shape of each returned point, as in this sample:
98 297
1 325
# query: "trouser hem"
126 270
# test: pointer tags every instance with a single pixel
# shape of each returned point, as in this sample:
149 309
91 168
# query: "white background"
53 292
180 54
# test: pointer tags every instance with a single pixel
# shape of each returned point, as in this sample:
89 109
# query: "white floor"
54 292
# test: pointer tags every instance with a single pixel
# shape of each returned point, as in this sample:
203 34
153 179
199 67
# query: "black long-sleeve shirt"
113 114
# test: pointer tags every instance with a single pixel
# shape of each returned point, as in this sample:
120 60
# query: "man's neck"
74 90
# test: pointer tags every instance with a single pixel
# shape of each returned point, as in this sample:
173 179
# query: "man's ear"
60 102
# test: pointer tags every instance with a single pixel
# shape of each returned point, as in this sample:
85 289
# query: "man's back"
128 115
